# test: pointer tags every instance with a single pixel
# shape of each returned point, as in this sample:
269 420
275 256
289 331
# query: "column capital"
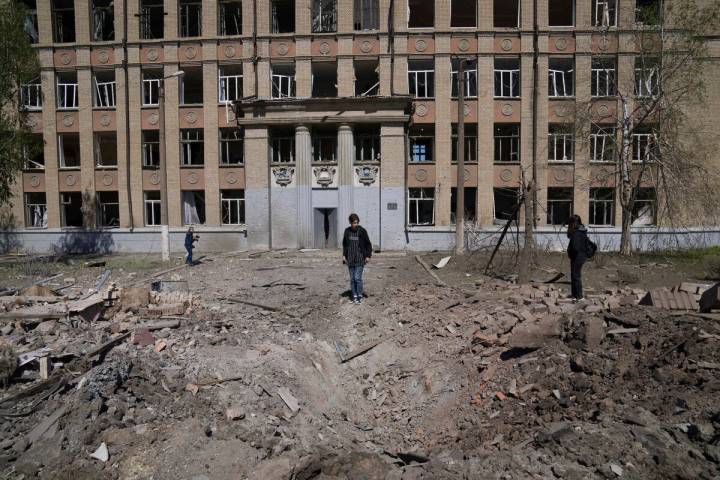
345 127
302 129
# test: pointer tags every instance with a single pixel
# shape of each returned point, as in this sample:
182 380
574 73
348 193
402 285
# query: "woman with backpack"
580 248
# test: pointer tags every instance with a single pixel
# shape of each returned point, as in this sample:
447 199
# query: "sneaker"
359 300
353 300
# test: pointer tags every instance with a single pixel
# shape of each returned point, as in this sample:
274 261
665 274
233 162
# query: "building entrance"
325 228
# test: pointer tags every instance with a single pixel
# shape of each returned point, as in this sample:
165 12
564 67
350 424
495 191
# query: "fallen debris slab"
669 299
261 305
620 331
289 399
44 426
438 281
443 261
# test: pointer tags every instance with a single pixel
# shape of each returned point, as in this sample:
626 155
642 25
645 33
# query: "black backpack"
590 248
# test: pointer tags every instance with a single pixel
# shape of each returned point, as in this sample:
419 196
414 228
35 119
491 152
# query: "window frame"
600 75
513 139
186 146
499 83
416 200
154 203
29 91
601 134
605 205
224 145
226 81
565 138
232 203
413 83
471 83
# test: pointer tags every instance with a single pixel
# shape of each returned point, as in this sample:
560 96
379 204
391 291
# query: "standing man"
578 252
190 239
357 251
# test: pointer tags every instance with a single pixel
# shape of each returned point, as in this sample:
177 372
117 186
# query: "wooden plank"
37 432
108 345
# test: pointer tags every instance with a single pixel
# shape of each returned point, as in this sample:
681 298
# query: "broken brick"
143 337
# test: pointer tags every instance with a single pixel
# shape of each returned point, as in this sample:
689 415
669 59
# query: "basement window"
69 150
561 75
324 145
31 95
507 77
462 13
561 13
469 204
421 206
604 13
421 13
67 90
36 210
103 20
648 12
31 22
191 87
230 17
602 206
602 143
104 96
559 205
190 18
108 211
152 19
506 13
367 144
230 83
324 16
367 78
232 206
282 145
421 78
505 201
193 203
105 149
470 78
561 143
33 153
151 148
153 207
151 87
507 142
283 80
470 142
324 79
422 143
644 210
71 214
603 77
367 15
283 16
231 146
191 147
63 21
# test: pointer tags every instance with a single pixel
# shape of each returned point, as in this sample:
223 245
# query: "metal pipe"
460 185
127 117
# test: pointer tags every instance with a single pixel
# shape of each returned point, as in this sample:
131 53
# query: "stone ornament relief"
367 174
421 110
421 175
561 44
507 110
153 118
324 176
231 178
506 175
191 52
602 176
506 44
561 110
191 117
560 175
283 175
155 179
35 181
464 45
105 120
230 51
604 44
152 54
32 121
421 45
324 48
283 49
466 110
70 180
366 46
65 58
193 178
68 120
103 56
107 180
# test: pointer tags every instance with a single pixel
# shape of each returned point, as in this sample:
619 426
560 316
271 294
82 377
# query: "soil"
479 378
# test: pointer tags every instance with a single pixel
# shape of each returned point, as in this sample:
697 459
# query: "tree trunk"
626 193
626 233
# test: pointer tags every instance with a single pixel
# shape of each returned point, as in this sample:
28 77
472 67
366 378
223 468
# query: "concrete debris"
289 399
441 264
669 299
235 413
101 453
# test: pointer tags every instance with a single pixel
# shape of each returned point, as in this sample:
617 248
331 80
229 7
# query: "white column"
303 165
346 176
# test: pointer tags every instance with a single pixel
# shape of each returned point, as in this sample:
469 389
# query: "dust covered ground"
461 376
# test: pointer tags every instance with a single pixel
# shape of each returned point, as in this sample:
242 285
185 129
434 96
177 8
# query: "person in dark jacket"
190 239
357 251
577 251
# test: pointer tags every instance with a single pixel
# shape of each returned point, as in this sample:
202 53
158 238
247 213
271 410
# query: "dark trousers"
576 277
356 282
189 255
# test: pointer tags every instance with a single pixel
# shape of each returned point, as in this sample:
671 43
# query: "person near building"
357 251
578 250
190 239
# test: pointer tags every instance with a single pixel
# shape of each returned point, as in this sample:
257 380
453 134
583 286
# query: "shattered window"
190 18
559 205
604 13
366 15
421 206
603 77
602 144
63 19
507 142
561 143
152 207
507 77
35 210
108 211
152 19
230 17
232 204
470 154
324 17
602 206
283 16
103 20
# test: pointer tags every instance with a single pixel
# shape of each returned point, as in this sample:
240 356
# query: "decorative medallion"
560 175
155 179
561 110
153 54
466 110
192 178
230 51
65 58
231 178
367 174
604 44
421 175
191 117
105 120
32 121
283 175
466 175
603 110
68 120
324 175
283 49
35 181
420 45
602 176
421 109
561 44
107 180
324 48
506 175
464 45
506 44
153 118
507 110
70 180
103 56
191 52
366 46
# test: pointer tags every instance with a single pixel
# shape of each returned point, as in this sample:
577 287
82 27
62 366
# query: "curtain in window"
190 214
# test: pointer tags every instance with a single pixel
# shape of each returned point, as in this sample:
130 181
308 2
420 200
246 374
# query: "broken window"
230 16
193 202
507 142
324 145
561 13
367 144
561 77
283 80
324 16
33 152
470 142
468 201
69 150
232 206
105 149
506 13
644 210
462 13
505 202
646 77
191 86
67 90
31 95
559 205
507 77
282 145
71 214
324 79
602 206
104 89
191 147
151 87
103 20
153 207
648 12
63 20
108 211
30 24
470 78
421 13
151 148
283 16
231 146
561 143
422 141
190 18
421 206
367 15
367 78
152 19
602 144
421 78
603 77
604 13
645 144
231 83
35 210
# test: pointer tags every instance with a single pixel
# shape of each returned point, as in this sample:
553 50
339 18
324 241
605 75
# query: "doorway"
326 228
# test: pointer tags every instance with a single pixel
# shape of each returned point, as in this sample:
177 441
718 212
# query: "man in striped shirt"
357 251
